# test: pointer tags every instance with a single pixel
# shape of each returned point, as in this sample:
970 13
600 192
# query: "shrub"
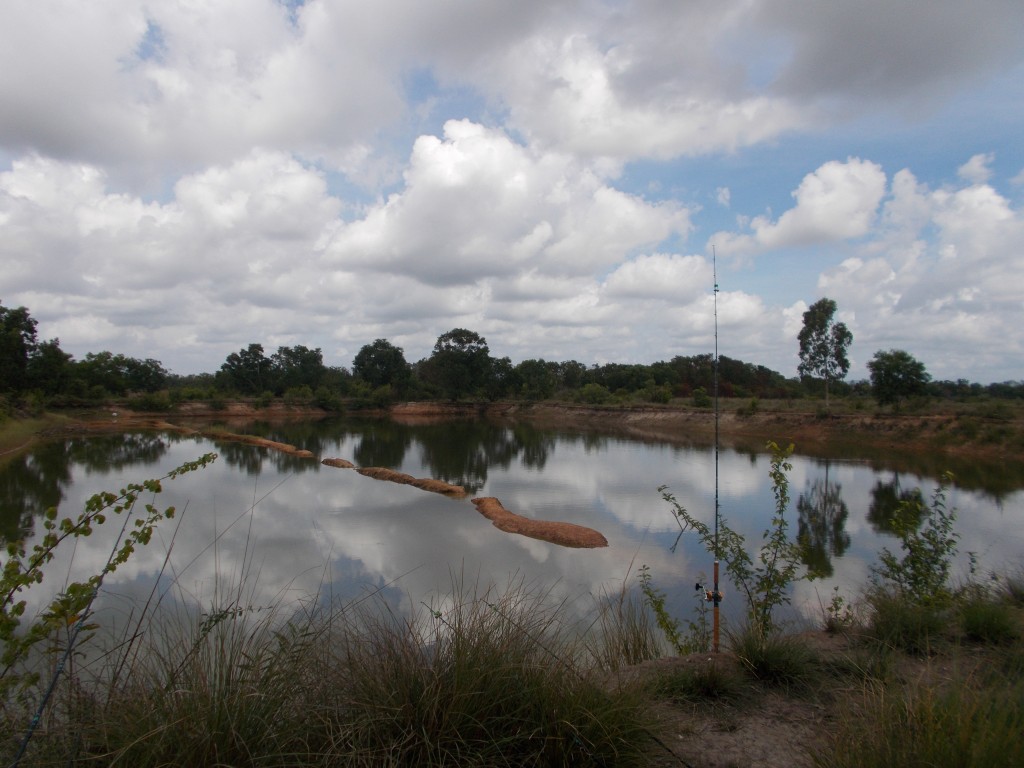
896 622
327 399
594 394
921 575
988 621
696 638
151 402
765 585
773 659
701 399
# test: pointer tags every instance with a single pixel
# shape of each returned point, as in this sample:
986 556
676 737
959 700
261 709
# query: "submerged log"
262 442
563 534
339 463
426 484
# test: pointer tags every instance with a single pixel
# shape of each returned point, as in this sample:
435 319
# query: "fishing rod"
715 596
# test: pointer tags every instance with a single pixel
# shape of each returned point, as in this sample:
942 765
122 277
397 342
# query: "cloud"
939 298
838 201
476 205
660 276
899 54
977 170
181 179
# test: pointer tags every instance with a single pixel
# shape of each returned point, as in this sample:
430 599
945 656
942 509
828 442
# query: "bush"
921 575
298 395
898 623
988 621
701 399
764 584
151 402
594 394
698 683
328 400
773 659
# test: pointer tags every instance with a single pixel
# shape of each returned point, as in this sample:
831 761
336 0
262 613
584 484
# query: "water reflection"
821 526
298 529
894 507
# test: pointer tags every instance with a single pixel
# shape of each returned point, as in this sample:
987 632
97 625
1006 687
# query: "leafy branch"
24 568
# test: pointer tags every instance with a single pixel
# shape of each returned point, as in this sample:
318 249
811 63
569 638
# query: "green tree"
118 374
896 375
296 367
17 343
50 367
460 363
823 344
246 371
536 379
382 363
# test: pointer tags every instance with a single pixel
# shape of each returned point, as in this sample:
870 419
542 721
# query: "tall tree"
461 362
50 367
297 366
896 375
17 343
382 363
823 344
247 371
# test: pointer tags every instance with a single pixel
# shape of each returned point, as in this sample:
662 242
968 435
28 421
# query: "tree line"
460 367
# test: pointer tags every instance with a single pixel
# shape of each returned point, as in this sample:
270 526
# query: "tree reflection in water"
889 504
821 528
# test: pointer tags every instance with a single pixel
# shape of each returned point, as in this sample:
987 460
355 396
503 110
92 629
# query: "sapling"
764 584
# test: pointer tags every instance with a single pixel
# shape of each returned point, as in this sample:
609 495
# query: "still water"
265 529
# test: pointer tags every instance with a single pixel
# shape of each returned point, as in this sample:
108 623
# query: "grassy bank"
18 433
495 678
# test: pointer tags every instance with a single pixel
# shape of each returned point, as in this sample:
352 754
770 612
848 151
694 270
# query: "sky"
568 178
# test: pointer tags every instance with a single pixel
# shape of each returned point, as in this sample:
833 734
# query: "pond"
260 528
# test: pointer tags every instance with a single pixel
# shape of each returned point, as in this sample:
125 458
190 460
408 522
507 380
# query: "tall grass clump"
622 632
486 681
708 681
776 659
989 620
954 726
234 688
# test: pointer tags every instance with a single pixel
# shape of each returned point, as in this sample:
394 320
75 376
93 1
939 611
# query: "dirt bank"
941 430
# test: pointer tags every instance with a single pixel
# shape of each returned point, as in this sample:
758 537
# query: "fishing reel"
710 595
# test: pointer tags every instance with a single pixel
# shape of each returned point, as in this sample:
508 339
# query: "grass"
18 433
898 623
623 632
775 659
992 622
488 679
933 701
707 681
966 723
